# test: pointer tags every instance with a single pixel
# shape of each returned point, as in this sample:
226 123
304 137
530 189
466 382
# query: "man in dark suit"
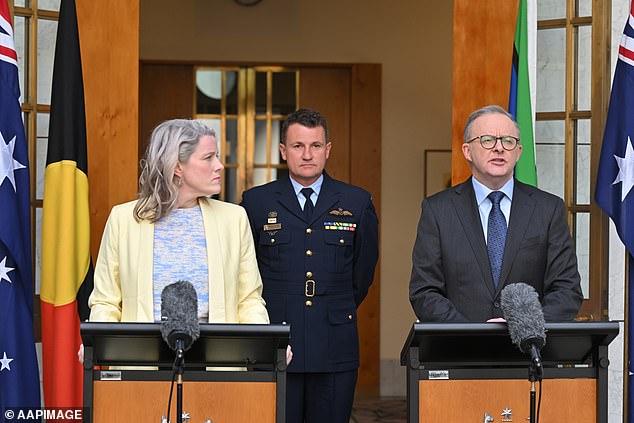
316 242
492 230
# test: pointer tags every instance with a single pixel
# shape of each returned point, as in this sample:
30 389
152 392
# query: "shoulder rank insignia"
340 212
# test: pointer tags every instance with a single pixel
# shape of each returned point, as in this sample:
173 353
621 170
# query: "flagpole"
626 323
627 406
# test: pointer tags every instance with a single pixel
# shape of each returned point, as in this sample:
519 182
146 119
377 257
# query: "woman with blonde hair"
175 231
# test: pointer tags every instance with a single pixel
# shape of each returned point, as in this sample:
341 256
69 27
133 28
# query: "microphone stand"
180 367
535 373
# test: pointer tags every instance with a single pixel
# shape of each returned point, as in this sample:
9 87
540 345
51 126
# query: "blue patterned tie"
308 206
496 235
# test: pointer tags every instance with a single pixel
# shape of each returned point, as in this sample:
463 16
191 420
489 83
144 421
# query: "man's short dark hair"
306 117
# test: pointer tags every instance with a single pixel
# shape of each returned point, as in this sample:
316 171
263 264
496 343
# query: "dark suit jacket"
451 277
338 270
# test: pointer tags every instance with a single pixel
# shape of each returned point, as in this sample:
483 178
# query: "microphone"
525 318
179 316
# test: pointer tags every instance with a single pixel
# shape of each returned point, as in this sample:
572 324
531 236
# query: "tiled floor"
384 410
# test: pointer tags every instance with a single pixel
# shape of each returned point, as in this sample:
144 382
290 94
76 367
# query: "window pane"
259 177
208 91
41 147
582 131
283 93
551 49
259 153
582 239
551 9
260 93
231 92
549 156
549 132
584 67
231 141
46 36
49 4
282 173
230 182
19 3
584 7
38 249
21 42
275 141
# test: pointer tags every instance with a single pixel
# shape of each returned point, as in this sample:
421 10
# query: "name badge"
275 227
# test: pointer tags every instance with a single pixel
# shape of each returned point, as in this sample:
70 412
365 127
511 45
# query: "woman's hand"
80 354
289 354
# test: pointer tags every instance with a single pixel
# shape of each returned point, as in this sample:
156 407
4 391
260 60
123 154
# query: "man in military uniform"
317 246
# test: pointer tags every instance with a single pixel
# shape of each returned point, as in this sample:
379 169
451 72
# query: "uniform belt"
309 288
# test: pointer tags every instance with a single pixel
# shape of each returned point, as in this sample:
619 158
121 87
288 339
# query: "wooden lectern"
233 373
471 372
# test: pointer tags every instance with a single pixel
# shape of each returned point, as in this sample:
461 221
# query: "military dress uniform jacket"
317 272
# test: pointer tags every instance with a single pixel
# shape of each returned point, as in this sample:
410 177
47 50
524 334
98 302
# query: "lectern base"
146 401
563 400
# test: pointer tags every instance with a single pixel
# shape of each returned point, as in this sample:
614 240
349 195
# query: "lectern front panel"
146 401
563 400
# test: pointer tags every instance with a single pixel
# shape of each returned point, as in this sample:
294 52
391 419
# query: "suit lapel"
216 278
328 196
469 215
145 277
286 196
522 207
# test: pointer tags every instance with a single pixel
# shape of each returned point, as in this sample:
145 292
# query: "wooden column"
365 171
483 33
109 40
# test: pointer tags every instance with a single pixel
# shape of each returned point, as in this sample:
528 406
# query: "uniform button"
309 231
272 240
309 274
309 303
309 253
496 305
341 241
349 316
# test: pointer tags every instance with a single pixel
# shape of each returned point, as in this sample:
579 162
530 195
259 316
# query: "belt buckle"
309 289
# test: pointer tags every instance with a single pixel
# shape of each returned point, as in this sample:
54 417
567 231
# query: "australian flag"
615 179
19 376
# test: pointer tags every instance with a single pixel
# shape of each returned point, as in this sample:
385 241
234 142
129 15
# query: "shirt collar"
316 186
482 191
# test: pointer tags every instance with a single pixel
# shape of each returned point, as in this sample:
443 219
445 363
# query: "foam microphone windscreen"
179 314
524 315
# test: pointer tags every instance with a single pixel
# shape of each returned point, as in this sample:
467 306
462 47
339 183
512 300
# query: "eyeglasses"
489 142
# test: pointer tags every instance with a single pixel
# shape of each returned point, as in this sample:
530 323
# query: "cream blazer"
123 289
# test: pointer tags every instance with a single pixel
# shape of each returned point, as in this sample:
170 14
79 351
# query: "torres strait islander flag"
66 264
19 375
520 98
